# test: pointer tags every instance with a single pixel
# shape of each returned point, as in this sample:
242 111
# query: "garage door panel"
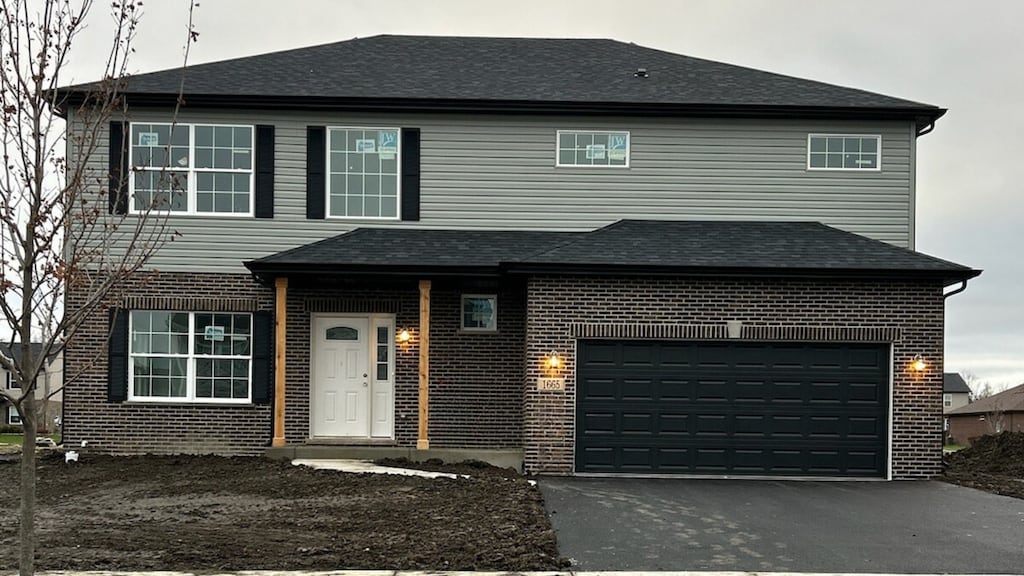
675 389
596 389
773 409
673 424
599 423
638 354
633 424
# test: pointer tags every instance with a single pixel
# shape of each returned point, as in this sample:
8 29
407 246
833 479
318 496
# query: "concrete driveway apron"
755 525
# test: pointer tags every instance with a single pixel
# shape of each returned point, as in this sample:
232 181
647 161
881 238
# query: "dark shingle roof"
406 248
738 245
480 69
1010 400
953 383
15 350
628 247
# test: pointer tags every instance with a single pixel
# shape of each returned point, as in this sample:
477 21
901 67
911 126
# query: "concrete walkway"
367 467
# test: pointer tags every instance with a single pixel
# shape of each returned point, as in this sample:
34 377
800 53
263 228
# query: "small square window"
480 312
592 148
843 152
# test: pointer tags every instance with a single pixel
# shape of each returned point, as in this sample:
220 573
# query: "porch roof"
627 247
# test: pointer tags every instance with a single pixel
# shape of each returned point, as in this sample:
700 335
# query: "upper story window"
592 148
192 168
844 152
190 357
363 172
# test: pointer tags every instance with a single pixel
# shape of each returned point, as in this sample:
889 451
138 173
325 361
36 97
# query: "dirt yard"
993 463
209 513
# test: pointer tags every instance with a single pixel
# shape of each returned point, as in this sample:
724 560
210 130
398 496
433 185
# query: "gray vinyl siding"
498 172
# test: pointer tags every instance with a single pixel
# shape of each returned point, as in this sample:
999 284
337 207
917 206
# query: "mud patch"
994 463
209 513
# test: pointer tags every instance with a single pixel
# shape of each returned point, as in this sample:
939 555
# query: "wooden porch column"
423 439
280 323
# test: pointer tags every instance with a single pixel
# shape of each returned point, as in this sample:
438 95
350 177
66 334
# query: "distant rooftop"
953 383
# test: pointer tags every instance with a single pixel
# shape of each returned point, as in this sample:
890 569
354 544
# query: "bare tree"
56 232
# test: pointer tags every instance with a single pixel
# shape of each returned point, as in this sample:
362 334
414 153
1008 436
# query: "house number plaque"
551 384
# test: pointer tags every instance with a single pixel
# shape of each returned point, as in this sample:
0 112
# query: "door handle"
365 384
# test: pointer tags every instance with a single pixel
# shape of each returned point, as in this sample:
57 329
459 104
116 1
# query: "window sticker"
595 151
149 139
366 145
213 333
388 144
617 147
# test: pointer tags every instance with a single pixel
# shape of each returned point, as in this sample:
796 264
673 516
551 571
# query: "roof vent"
640 73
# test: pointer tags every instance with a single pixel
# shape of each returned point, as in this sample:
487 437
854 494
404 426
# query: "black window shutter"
118 169
264 197
316 160
410 174
117 356
262 357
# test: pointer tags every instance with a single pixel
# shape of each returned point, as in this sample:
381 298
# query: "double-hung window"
592 148
844 152
363 172
190 357
192 168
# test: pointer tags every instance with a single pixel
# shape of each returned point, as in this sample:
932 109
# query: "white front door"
352 375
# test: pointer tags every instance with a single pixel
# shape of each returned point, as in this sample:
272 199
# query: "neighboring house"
955 392
593 256
1002 412
51 381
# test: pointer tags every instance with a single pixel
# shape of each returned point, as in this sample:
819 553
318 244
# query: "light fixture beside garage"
553 361
919 365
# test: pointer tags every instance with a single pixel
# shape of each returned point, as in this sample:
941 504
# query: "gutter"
924 116
961 288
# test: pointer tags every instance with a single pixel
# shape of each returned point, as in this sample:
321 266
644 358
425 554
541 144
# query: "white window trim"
629 148
878 165
190 375
462 313
327 176
13 418
947 400
191 193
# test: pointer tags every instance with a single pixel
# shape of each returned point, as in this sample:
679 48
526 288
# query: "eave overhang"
922 116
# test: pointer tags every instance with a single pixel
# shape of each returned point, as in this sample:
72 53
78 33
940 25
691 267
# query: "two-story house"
590 255
49 386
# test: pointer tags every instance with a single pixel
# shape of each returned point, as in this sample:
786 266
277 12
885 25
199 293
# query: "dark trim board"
732 408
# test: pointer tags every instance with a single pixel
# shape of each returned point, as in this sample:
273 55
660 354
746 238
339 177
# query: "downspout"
963 286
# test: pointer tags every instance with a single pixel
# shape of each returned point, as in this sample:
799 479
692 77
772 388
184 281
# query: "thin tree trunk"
26 530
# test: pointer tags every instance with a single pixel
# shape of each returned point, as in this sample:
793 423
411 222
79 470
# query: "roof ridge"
577 237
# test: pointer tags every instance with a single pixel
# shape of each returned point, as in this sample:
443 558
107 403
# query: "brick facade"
475 378
134 427
964 428
476 383
561 309
478 380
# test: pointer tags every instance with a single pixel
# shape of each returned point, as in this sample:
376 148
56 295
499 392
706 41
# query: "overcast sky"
964 56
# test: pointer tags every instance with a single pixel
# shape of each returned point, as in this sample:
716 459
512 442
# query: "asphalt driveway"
753 525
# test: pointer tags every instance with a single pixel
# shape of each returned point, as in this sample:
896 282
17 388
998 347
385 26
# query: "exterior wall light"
553 361
404 336
919 365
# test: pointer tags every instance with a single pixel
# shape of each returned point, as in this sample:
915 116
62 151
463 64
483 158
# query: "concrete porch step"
507 458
